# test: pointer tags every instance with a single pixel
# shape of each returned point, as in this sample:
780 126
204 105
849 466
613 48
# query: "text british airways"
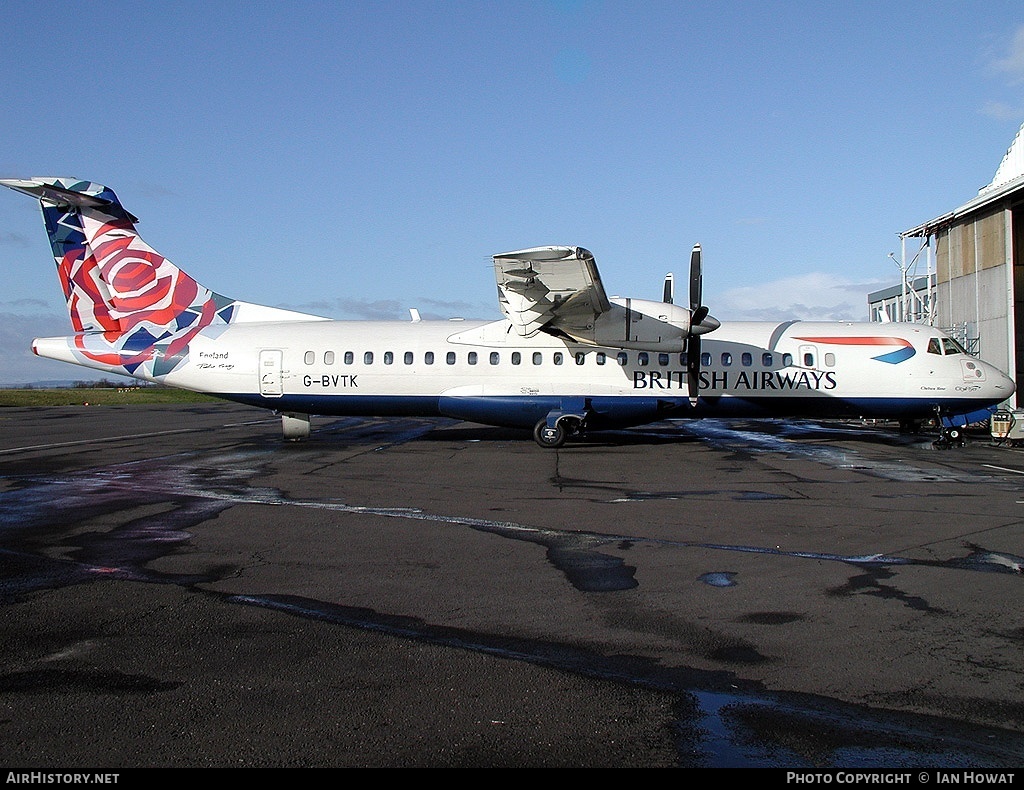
744 380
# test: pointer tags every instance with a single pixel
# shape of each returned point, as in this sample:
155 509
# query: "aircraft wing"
553 287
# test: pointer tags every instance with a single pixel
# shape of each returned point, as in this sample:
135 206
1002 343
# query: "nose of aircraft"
1000 385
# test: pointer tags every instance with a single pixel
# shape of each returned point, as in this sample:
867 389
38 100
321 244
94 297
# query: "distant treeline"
101 384
95 393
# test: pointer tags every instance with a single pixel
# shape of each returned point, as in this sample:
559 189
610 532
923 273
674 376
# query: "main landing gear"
553 431
549 437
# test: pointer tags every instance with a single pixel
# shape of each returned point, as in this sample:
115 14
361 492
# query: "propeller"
700 323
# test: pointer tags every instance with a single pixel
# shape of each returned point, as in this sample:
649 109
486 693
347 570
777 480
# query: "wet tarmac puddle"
152 504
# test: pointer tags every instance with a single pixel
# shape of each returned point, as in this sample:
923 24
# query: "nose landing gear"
949 435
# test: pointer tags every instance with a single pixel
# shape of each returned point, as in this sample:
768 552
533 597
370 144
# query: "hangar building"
978 266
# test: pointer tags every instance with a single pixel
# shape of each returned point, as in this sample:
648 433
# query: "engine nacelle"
643 325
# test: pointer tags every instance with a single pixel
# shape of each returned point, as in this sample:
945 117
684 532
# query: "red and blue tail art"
129 305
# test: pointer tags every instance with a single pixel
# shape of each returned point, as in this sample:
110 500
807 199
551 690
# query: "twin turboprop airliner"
565 359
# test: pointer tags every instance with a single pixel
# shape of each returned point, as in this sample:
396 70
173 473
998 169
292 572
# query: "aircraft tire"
549 438
950 437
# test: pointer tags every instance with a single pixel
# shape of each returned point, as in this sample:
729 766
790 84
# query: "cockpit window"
934 347
950 346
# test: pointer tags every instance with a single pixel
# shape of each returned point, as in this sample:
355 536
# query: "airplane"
565 359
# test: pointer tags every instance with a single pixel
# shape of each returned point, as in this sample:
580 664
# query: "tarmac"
181 587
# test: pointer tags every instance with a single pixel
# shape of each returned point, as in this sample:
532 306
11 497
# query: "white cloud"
1012 64
1001 111
1009 65
816 296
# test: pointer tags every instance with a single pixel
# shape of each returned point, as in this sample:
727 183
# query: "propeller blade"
698 312
693 368
696 278
670 284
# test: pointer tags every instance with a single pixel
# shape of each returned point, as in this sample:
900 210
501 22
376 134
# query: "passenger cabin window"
642 358
428 358
622 357
368 358
309 358
471 357
808 360
516 357
726 358
705 359
787 360
349 357
407 358
663 360
537 357
766 359
830 360
328 357
495 358
388 357
747 359
581 357
450 358
558 358
600 357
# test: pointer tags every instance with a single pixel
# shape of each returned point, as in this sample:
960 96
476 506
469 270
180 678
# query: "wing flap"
554 287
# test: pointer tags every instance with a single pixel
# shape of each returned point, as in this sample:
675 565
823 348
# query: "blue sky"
356 159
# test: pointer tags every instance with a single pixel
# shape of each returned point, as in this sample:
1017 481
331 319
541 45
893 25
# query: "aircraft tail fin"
113 281
116 284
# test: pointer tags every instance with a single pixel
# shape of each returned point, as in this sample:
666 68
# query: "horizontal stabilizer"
70 192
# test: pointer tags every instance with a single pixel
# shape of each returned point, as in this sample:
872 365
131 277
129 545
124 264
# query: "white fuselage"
485 372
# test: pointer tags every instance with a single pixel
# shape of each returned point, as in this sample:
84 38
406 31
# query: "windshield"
944 345
950 346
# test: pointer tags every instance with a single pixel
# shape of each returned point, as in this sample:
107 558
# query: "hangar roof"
1008 179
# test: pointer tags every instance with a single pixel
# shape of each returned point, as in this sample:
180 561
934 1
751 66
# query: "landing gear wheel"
950 437
548 437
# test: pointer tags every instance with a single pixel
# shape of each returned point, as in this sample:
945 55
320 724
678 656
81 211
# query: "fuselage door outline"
271 372
808 356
